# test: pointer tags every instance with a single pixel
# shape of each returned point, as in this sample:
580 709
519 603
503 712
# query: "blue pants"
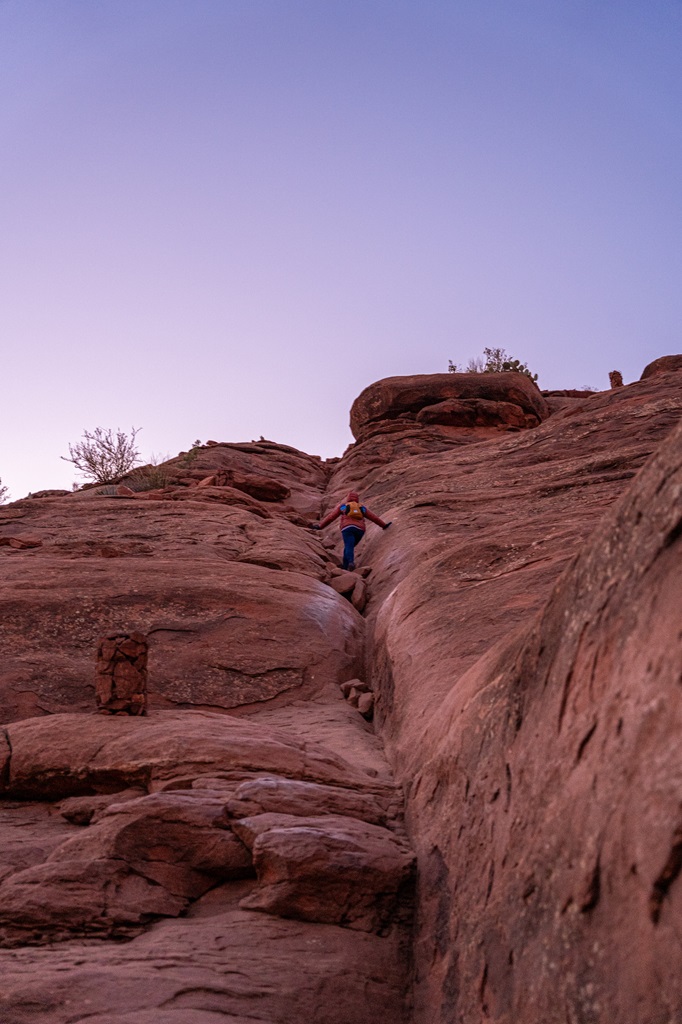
352 535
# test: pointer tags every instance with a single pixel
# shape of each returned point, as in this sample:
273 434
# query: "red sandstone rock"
539 761
216 965
354 684
121 680
20 541
664 364
365 704
224 630
405 396
55 901
518 799
69 755
331 869
145 857
476 412
343 582
81 810
289 796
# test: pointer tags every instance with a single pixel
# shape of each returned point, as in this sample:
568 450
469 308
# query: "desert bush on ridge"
493 360
154 475
4 493
103 456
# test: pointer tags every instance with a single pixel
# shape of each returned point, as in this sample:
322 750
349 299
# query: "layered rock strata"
240 854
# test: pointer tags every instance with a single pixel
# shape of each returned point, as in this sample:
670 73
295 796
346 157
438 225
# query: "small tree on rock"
4 494
103 456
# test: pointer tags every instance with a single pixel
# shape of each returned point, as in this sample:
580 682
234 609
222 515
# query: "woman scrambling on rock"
353 516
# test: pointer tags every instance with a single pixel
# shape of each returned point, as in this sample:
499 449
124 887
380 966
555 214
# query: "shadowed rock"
332 869
121 682
404 398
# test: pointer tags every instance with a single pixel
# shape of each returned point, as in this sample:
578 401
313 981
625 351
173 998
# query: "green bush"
190 456
494 360
150 478
518 367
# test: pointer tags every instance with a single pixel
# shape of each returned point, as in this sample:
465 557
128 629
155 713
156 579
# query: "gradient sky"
225 218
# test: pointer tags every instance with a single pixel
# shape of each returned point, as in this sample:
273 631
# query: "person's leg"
351 536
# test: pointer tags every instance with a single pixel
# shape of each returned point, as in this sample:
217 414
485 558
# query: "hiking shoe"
351 566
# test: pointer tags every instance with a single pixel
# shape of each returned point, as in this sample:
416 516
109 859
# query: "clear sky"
221 219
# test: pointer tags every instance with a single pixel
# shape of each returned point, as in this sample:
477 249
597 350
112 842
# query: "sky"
222 219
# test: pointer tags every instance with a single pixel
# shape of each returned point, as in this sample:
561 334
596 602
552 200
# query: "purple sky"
225 218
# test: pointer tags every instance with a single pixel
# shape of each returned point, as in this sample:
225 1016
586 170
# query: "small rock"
22 540
343 582
366 704
359 595
356 684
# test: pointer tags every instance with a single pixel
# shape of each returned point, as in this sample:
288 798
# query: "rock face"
532 715
501 844
234 606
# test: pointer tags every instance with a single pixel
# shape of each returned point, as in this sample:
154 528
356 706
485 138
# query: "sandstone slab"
71 755
219 964
305 799
331 869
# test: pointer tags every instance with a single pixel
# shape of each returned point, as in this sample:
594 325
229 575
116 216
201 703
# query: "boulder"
664 364
333 869
405 397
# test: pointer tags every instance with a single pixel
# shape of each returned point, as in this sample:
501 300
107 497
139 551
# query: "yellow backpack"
353 510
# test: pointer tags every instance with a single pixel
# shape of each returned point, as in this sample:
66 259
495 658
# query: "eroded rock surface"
517 636
450 400
536 729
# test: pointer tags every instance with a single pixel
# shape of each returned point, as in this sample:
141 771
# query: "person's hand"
387 525
314 526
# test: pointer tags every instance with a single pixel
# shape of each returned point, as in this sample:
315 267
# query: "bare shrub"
4 494
103 456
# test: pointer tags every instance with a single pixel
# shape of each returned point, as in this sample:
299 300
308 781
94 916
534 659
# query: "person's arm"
375 519
334 514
